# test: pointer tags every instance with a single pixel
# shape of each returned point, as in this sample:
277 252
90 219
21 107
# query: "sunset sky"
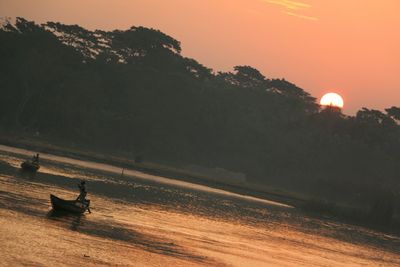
351 47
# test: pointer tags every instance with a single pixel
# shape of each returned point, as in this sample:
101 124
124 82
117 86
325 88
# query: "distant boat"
29 165
73 206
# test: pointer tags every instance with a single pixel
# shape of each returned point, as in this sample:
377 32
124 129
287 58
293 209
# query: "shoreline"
151 168
348 214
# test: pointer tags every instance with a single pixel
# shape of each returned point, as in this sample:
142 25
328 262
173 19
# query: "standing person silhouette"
82 192
82 195
36 158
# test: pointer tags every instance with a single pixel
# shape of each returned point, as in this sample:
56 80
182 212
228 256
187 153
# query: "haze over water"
138 221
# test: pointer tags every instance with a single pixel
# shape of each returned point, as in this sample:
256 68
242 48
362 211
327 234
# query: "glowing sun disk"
332 99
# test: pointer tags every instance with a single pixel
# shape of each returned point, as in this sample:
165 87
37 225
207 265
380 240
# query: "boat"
73 206
30 166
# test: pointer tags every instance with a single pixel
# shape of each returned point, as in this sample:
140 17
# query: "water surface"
146 220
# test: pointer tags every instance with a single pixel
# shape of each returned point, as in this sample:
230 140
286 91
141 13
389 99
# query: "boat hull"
30 166
72 206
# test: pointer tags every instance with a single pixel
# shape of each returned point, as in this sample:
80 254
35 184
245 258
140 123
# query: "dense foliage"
133 91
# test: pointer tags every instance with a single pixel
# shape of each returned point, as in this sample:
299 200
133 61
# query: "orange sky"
351 47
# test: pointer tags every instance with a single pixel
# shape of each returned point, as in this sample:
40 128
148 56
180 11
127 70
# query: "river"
145 220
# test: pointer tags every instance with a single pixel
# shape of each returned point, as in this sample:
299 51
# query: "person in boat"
82 192
36 159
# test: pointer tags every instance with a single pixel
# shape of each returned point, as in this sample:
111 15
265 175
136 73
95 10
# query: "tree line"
132 91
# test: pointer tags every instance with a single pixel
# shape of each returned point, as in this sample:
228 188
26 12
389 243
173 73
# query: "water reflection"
70 220
116 231
163 224
27 174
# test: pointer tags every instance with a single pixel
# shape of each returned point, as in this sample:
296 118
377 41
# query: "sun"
332 99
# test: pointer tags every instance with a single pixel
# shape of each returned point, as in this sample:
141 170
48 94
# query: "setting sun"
221 123
332 99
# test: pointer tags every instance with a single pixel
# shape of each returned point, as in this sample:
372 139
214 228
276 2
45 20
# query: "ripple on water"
143 222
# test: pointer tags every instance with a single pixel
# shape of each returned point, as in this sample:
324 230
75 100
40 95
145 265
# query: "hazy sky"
351 47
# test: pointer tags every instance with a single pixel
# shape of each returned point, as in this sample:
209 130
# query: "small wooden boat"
73 206
30 166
